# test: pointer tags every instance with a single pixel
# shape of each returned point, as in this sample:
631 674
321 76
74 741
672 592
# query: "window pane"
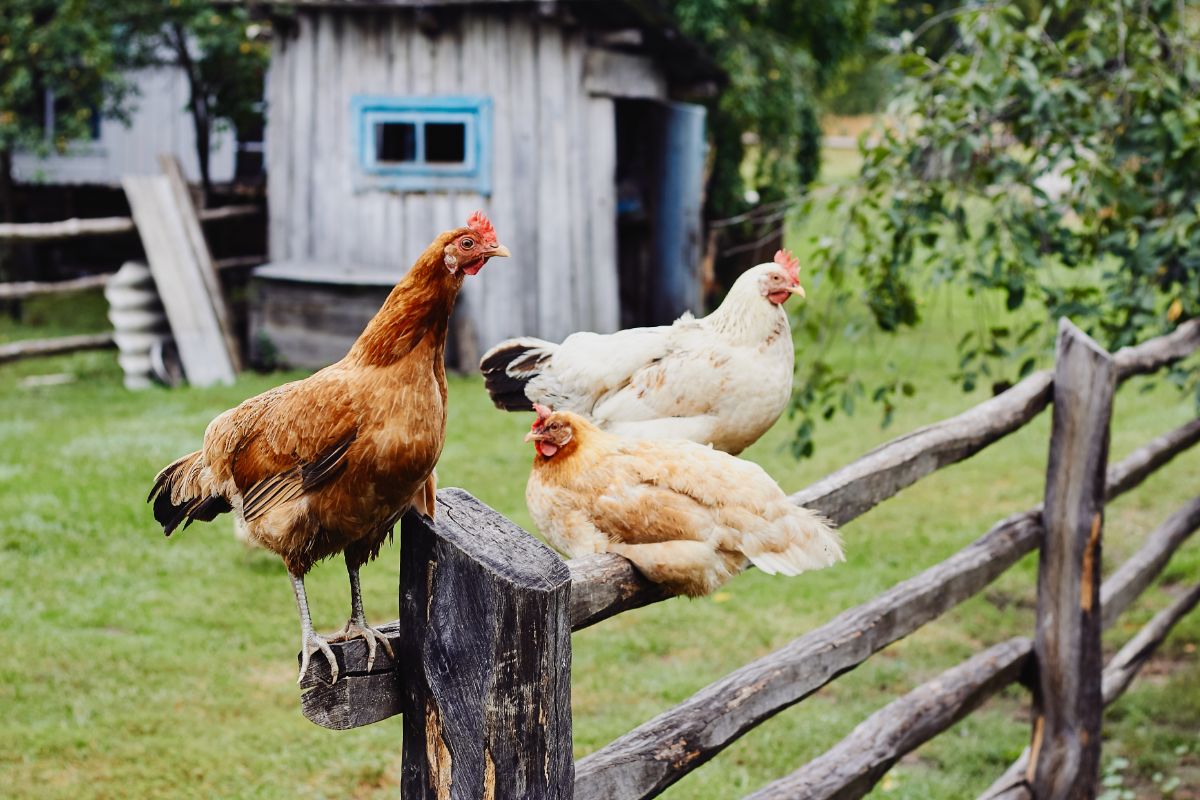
446 142
395 141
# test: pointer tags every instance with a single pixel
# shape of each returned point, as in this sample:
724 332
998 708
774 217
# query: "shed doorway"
660 170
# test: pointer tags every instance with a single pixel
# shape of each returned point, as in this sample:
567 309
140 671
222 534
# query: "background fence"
39 232
483 666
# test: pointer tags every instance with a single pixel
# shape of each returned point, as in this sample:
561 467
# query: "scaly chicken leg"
357 624
310 642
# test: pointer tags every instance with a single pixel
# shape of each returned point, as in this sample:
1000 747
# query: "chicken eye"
467 244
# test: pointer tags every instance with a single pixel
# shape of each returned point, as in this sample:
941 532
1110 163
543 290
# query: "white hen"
722 380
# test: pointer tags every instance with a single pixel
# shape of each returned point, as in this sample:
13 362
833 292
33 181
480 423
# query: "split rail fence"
483 643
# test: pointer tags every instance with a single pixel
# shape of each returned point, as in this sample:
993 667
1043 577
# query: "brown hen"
328 464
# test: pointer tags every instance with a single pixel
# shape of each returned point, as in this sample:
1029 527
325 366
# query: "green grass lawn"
141 667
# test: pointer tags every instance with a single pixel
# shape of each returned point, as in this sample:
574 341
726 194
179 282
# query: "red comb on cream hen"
544 448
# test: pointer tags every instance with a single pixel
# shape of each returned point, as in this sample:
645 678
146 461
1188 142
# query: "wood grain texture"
1153 354
604 585
863 484
550 139
201 256
195 325
852 767
359 697
881 473
608 584
830 650
876 744
29 348
487 655
609 73
1066 696
654 755
100 226
1118 674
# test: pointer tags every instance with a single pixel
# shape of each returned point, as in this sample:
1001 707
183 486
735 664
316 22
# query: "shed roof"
637 25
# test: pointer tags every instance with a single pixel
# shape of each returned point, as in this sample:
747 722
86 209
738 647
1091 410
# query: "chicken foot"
310 642
357 625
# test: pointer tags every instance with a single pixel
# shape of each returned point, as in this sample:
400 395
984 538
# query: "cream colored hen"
722 380
688 516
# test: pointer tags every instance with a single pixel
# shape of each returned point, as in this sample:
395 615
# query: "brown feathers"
329 463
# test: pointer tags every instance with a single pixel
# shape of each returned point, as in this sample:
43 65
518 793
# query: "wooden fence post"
1067 704
487 658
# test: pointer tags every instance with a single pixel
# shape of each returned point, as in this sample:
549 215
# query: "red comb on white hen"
482 226
787 259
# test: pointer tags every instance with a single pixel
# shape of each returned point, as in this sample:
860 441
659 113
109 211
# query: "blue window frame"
419 144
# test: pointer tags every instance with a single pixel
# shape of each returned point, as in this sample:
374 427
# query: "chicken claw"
357 628
312 643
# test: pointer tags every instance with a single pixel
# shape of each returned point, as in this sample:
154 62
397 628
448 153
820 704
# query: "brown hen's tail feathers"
510 365
179 498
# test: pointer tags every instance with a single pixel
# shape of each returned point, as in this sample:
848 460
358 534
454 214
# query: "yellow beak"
798 289
500 250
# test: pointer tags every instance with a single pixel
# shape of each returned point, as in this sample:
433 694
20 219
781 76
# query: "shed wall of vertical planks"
553 159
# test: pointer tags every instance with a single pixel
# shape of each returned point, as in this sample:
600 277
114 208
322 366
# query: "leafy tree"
60 66
218 50
73 55
777 53
1050 156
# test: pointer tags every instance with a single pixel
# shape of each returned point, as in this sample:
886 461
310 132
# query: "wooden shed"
392 120
158 123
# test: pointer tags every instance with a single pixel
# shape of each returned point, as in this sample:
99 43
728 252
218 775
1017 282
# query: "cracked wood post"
486 689
1067 703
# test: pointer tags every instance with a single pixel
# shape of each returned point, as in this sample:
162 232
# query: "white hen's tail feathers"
798 541
509 366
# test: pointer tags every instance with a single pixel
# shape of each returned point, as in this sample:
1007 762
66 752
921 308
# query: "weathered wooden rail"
171 233
483 649
103 226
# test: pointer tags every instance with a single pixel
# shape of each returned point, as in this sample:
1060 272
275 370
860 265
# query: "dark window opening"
446 142
396 141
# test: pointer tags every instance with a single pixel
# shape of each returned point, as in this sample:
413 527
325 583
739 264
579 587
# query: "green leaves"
1049 157
777 54
57 50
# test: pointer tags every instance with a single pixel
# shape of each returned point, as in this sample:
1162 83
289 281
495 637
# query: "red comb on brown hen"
479 223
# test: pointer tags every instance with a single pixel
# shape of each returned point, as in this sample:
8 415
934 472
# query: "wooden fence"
37 232
483 646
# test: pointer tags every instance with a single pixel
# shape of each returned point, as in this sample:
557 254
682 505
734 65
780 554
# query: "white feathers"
721 380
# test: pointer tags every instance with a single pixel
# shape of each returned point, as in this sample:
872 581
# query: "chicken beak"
798 290
500 250
532 437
